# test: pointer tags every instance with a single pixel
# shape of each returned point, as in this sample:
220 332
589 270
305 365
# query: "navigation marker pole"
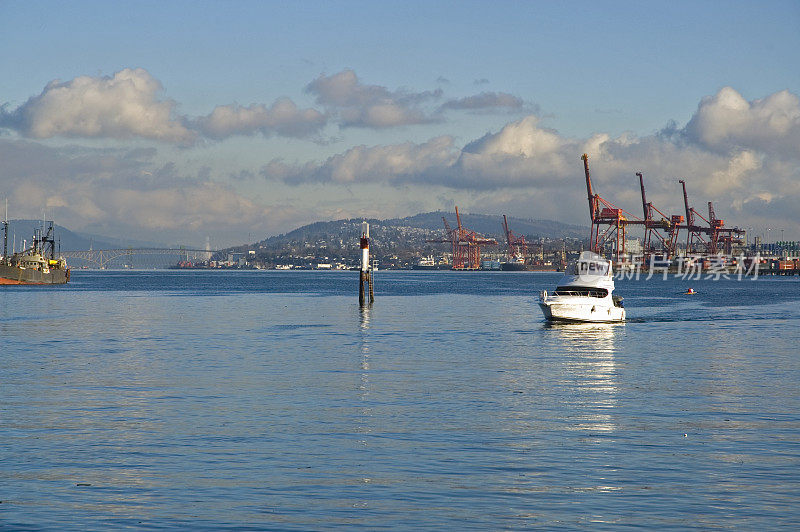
5 236
365 275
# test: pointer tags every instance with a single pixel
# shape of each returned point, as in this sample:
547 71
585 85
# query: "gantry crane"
466 245
669 225
722 238
718 238
611 216
517 246
694 232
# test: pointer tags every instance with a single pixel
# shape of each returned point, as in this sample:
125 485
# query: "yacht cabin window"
580 291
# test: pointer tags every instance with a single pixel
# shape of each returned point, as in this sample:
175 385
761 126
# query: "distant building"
634 246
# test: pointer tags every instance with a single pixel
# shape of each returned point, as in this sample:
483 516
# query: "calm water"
268 400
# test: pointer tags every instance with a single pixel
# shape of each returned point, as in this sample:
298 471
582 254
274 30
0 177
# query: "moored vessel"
584 294
515 265
430 263
425 263
36 264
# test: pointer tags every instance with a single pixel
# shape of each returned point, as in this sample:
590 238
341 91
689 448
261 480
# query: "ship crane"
466 245
517 246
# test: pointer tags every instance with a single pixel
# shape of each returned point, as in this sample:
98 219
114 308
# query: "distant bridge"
102 257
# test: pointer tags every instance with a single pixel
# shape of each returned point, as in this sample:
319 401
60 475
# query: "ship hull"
513 266
11 275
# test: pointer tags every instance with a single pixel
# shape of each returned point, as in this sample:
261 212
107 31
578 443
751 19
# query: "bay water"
268 400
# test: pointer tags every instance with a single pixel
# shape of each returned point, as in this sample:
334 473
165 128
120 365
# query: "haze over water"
269 400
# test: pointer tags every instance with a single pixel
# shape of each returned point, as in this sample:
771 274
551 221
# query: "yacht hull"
584 294
582 312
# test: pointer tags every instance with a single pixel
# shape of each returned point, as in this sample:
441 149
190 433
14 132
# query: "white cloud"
374 106
396 163
121 106
740 166
282 118
370 106
727 121
524 160
520 154
123 193
523 138
485 100
128 105
743 155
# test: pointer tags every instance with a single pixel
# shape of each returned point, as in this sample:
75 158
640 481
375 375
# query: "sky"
178 122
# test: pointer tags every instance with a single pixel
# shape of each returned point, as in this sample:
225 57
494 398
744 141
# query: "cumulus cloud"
283 118
523 138
121 106
521 154
396 163
126 193
739 154
727 121
129 105
370 106
485 100
740 167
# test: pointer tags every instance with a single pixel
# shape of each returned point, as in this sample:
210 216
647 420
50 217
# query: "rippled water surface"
269 400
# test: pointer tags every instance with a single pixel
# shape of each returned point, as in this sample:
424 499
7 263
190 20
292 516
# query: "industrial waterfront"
225 400
674 243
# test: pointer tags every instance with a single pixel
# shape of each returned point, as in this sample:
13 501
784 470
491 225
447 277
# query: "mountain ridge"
486 224
67 239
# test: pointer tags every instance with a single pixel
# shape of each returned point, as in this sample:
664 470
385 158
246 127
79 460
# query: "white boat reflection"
591 372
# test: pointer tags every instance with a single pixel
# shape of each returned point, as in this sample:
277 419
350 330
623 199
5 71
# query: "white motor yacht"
584 294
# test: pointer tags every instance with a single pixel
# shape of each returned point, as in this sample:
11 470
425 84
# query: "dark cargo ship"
516 265
36 264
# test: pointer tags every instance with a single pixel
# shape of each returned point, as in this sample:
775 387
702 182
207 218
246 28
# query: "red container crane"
664 230
466 245
517 246
608 222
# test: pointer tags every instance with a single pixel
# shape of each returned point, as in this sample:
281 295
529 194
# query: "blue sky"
339 109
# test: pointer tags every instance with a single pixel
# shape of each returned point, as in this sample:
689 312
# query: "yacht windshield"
580 291
590 268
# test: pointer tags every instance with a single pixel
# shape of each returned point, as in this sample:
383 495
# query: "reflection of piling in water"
365 275
365 284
